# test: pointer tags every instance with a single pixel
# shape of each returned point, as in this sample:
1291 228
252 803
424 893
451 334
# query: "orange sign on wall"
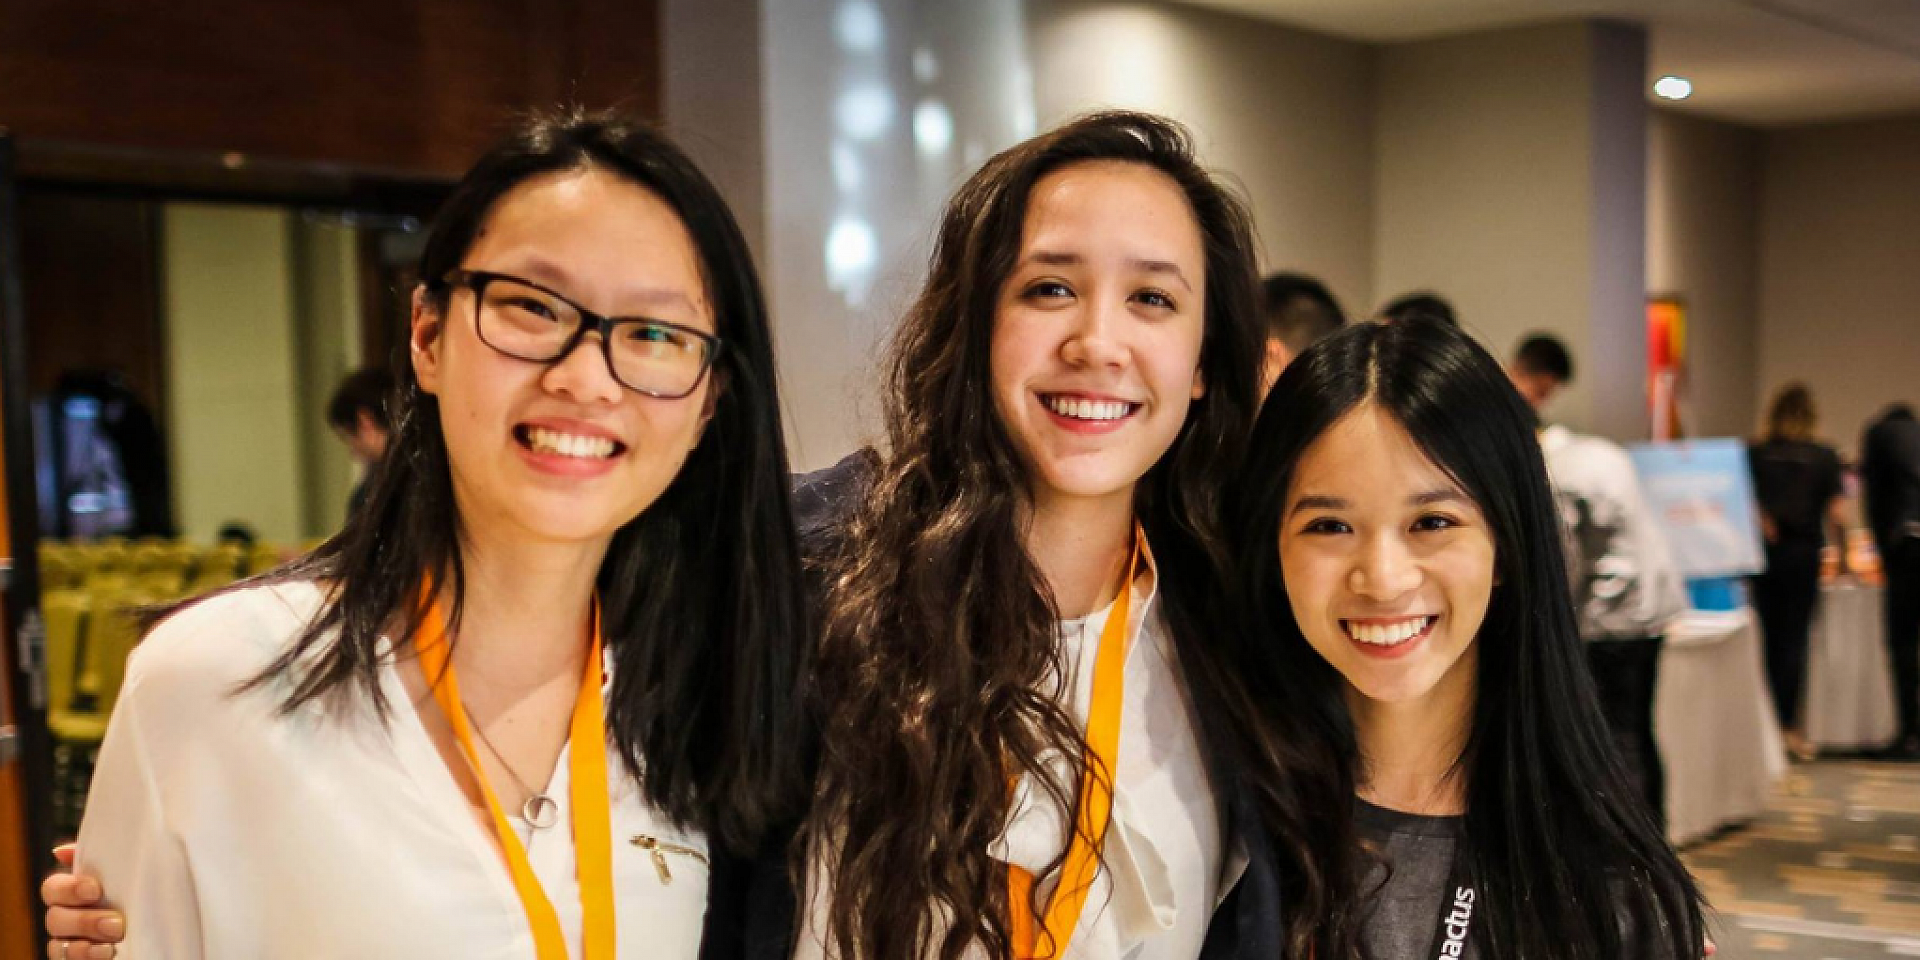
1666 365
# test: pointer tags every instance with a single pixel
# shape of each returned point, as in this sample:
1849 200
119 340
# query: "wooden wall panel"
92 290
410 86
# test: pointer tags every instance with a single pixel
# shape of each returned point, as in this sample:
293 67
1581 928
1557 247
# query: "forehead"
598 237
1116 207
1367 457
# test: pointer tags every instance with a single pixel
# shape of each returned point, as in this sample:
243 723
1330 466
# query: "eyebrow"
1432 497
550 274
1060 259
1426 499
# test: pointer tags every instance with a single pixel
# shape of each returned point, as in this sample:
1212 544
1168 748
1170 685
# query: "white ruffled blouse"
1166 864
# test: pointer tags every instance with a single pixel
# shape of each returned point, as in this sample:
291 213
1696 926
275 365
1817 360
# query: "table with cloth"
1849 701
1714 721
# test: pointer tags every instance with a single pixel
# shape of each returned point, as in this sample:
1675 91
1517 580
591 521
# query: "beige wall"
858 167
1486 193
1286 113
326 288
1615 361
228 310
710 103
1703 244
1840 268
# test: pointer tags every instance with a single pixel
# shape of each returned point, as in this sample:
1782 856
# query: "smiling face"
1389 565
561 451
1096 338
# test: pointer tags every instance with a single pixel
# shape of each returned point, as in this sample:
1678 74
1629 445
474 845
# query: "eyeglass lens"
647 356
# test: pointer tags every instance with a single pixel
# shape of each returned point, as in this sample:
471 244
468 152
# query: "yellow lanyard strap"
592 810
1096 798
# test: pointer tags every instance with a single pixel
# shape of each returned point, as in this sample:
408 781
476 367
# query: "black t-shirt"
1409 882
1794 480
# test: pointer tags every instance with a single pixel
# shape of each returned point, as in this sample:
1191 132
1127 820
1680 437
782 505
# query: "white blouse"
223 829
1165 867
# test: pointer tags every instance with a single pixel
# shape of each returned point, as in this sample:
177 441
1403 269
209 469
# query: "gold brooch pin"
660 848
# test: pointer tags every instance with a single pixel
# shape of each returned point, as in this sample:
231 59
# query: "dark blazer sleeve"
752 906
1247 924
823 499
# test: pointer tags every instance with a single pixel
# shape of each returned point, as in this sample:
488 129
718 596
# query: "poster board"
1701 492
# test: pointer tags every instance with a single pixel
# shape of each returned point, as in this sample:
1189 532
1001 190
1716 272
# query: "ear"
715 388
1273 362
424 342
1199 383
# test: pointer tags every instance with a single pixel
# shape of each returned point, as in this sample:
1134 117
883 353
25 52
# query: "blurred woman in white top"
405 744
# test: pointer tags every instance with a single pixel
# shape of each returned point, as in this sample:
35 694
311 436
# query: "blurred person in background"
1625 587
358 414
1890 470
1420 303
1299 310
1798 484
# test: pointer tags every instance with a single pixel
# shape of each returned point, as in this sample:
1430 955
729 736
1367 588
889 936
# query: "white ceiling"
1762 62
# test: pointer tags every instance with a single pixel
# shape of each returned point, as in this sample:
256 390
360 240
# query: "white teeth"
569 444
1387 634
1089 409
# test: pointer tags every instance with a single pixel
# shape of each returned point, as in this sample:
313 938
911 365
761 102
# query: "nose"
1094 340
584 375
1384 570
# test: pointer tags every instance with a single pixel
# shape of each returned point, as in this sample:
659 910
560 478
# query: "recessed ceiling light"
1673 88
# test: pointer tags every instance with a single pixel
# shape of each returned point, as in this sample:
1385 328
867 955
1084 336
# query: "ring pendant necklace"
540 811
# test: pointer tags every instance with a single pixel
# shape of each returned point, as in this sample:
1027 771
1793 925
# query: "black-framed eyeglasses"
527 321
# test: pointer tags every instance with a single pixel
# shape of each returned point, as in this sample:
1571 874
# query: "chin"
574 522
1391 689
1090 480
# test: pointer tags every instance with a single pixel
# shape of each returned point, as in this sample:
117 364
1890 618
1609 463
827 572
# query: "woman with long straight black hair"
1399 550
540 698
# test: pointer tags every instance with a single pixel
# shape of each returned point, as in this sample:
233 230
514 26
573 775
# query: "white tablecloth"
1714 720
1849 695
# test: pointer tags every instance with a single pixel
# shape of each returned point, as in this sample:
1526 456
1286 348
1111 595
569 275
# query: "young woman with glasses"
540 697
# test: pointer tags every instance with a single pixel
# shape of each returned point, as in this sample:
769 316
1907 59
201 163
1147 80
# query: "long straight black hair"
701 599
1571 864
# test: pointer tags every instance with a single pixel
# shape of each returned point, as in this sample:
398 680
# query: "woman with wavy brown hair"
1020 629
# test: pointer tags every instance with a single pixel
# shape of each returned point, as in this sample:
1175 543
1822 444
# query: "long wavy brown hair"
941 676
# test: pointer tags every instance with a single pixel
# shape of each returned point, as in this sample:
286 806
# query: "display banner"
1702 493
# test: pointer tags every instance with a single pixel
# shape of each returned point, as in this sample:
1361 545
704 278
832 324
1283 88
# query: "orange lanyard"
1096 798
592 810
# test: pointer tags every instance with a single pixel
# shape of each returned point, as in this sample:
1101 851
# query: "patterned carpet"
1831 872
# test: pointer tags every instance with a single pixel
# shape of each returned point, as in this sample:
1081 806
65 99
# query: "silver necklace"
539 811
